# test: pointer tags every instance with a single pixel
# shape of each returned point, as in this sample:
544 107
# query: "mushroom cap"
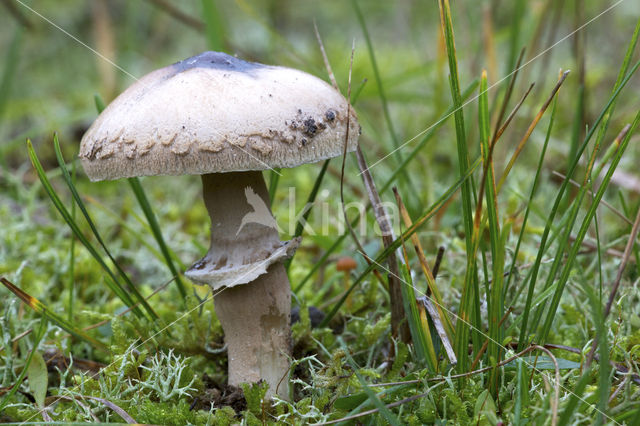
346 263
216 113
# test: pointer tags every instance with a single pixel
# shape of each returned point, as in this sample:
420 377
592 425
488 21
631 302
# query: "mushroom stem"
255 319
251 290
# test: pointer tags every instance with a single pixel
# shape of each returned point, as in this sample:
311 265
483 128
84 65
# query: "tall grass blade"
72 252
522 393
626 62
564 277
432 288
598 320
495 300
418 323
416 316
382 256
113 283
136 186
523 226
524 336
470 300
76 196
376 73
516 29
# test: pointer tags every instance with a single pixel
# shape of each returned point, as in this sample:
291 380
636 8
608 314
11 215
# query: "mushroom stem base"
256 323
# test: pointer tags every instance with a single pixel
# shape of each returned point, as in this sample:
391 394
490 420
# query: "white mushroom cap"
215 113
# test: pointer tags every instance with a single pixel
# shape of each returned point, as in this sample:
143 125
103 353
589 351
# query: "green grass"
530 258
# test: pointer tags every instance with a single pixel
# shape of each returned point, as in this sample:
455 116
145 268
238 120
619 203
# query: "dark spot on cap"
303 142
217 60
330 115
310 127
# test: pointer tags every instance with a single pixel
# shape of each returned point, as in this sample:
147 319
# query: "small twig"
119 411
436 264
512 114
532 126
176 13
400 328
507 95
325 58
618 389
13 10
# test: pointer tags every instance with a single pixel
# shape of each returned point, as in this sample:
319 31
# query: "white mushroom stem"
255 319
251 290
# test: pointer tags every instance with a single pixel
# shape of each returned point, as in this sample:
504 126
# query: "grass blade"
41 309
437 205
136 186
376 73
418 323
39 335
524 337
470 300
574 399
76 196
432 288
495 300
534 187
113 284
72 253
564 277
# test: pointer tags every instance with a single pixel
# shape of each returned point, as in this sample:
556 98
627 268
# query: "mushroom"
227 120
345 265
